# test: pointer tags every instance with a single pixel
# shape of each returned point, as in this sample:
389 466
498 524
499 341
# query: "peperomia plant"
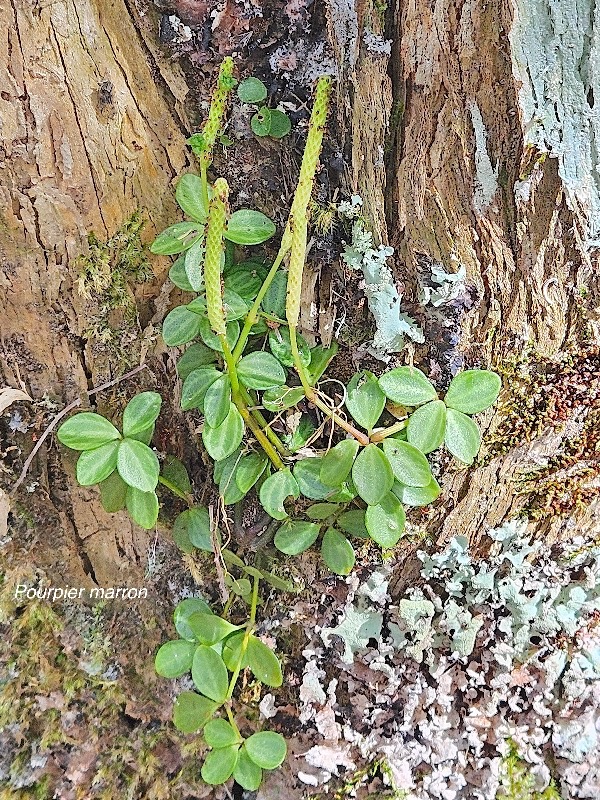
324 468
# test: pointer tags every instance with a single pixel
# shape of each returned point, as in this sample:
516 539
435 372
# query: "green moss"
517 783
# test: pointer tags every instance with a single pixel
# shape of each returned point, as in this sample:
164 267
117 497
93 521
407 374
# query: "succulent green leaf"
210 338
178 275
176 238
307 472
196 385
138 465
225 472
372 474
249 227
267 749
177 475
274 299
385 521
260 370
294 536
210 629
219 733
217 401
408 463
113 492
193 261
282 397
427 426
180 326
222 441
232 652
247 773
261 122
353 522
174 658
462 439
320 358
191 712
252 90
473 391
264 663
417 496
337 463
94 466
235 306
249 470
337 552
407 386
86 431
219 765
322 510
209 673
183 612
141 412
280 346
194 523
281 124
190 197
145 435
275 490
365 401
142 507
195 357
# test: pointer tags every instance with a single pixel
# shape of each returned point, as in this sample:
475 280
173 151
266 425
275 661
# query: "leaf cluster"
266 121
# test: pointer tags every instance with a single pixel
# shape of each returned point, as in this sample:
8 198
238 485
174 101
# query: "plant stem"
379 436
172 488
252 316
249 627
271 435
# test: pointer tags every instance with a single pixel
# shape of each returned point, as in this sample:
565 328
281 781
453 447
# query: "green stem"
308 390
271 435
252 316
249 627
379 436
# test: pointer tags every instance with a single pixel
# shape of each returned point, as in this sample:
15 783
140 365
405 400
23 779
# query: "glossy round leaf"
417 496
307 472
209 628
249 470
280 346
267 749
365 400
191 712
94 466
275 490
217 401
219 733
178 275
372 474
353 522
176 238
246 772
462 439
194 523
235 306
244 283
209 673
322 511
196 385
281 124
385 521
175 472
226 470
264 663
261 122
141 412
249 227
210 338
219 765
427 426
282 397
113 492
138 465
232 652
142 507
295 536
473 391
407 386
86 431
222 441
275 296
408 463
260 370
320 358
183 611
180 326
145 435
337 463
174 658
337 552
195 357
193 262
252 90
190 197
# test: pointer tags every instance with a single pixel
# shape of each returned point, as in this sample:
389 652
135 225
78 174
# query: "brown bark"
92 129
